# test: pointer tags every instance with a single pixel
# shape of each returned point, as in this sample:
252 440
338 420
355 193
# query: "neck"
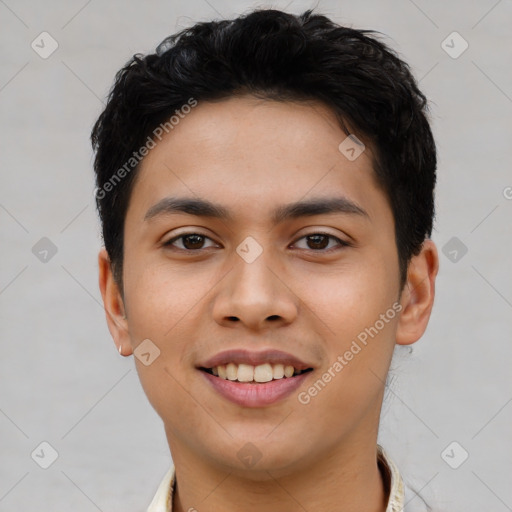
347 479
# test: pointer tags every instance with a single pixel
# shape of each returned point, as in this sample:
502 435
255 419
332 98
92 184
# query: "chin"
258 460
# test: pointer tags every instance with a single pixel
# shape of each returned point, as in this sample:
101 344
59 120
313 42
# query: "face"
256 281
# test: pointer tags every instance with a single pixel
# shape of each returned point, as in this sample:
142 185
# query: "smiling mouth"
249 374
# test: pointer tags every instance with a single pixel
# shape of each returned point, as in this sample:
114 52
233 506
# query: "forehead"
253 153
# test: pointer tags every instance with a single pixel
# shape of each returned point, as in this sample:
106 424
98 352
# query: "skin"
251 155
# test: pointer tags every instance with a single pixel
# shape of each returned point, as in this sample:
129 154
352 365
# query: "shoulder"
162 500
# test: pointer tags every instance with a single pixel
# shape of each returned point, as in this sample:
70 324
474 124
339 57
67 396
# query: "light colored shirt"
162 501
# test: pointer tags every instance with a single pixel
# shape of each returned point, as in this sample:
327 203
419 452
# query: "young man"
266 191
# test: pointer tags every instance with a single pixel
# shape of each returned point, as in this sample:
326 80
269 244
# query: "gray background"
63 381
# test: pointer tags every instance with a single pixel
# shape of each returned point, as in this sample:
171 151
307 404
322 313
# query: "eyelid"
341 242
177 236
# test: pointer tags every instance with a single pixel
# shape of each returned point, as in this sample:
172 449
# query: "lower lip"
255 395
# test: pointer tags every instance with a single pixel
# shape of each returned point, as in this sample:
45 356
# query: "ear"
418 294
114 305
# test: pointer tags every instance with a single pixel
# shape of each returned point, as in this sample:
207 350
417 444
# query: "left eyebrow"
204 208
317 206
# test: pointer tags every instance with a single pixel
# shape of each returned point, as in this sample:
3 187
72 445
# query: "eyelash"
341 243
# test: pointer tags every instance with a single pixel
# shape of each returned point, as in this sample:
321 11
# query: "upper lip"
243 356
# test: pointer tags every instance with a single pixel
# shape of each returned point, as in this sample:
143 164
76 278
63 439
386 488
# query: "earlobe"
113 305
418 295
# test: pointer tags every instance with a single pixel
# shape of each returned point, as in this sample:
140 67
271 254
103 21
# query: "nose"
256 294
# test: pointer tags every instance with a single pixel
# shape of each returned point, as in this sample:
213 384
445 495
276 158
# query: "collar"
394 485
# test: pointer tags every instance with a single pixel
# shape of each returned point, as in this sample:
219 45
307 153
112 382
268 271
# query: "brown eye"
189 242
320 241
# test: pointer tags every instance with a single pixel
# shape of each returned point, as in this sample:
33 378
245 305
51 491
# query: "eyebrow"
204 208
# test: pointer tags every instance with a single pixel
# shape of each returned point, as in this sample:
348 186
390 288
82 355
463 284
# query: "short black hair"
278 56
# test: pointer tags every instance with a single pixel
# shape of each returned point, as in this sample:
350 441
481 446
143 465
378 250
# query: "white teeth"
248 373
231 371
262 373
278 371
222 372
288 371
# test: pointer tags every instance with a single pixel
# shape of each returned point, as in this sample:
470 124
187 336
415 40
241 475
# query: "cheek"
357 326
162 305
349 298
157 298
